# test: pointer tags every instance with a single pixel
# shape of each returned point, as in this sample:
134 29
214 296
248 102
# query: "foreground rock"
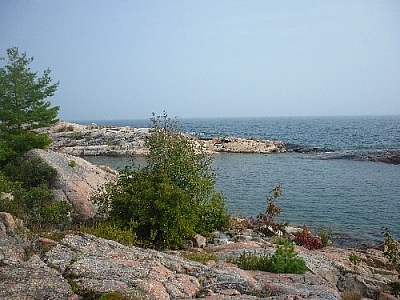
83 266
77 180
25 276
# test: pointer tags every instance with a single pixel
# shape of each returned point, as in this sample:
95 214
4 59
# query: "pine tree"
23 107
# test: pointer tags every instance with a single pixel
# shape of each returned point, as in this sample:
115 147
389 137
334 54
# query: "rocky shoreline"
95 140
81 266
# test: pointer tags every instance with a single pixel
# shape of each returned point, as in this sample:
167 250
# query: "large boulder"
77 180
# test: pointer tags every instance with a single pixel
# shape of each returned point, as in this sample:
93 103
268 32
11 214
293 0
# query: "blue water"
353 198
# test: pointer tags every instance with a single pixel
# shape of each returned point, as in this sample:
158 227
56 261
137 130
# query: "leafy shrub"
326 236
394 287
171 198
41 208
307 240
111 231
354 259
30 171
202 257
284 260
114 296
28 182
72 163
392 251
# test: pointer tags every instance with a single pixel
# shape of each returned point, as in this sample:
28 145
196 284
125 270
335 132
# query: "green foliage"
30 171
202 257
394 287
392 251
354 259
72 163
111 231
23 107
172 197
326 236
114 296
28 181
284 260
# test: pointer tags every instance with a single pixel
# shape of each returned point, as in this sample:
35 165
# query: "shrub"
30 171
326 236
28 182
114 296
266 220
307 240
171 198
111 231
392 251
202 257
354 259
72 163
41 208
284 260
394 288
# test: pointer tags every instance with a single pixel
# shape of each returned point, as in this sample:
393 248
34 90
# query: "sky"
126 59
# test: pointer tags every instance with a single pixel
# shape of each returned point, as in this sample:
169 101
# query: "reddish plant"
307 240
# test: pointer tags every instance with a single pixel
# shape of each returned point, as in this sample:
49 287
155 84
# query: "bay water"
354 199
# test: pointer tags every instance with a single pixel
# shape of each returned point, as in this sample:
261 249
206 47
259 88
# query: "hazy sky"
126 59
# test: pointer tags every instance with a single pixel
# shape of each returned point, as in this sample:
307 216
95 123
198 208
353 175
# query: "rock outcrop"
81 265
240 145
24 276
93 140
77 179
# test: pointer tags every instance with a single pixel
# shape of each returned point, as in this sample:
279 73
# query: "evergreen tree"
23 107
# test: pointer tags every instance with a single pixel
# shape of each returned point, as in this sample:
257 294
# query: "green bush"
326 236
284 260
202 257
28 180
354 259
30 171
172 197
111 231
392 251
